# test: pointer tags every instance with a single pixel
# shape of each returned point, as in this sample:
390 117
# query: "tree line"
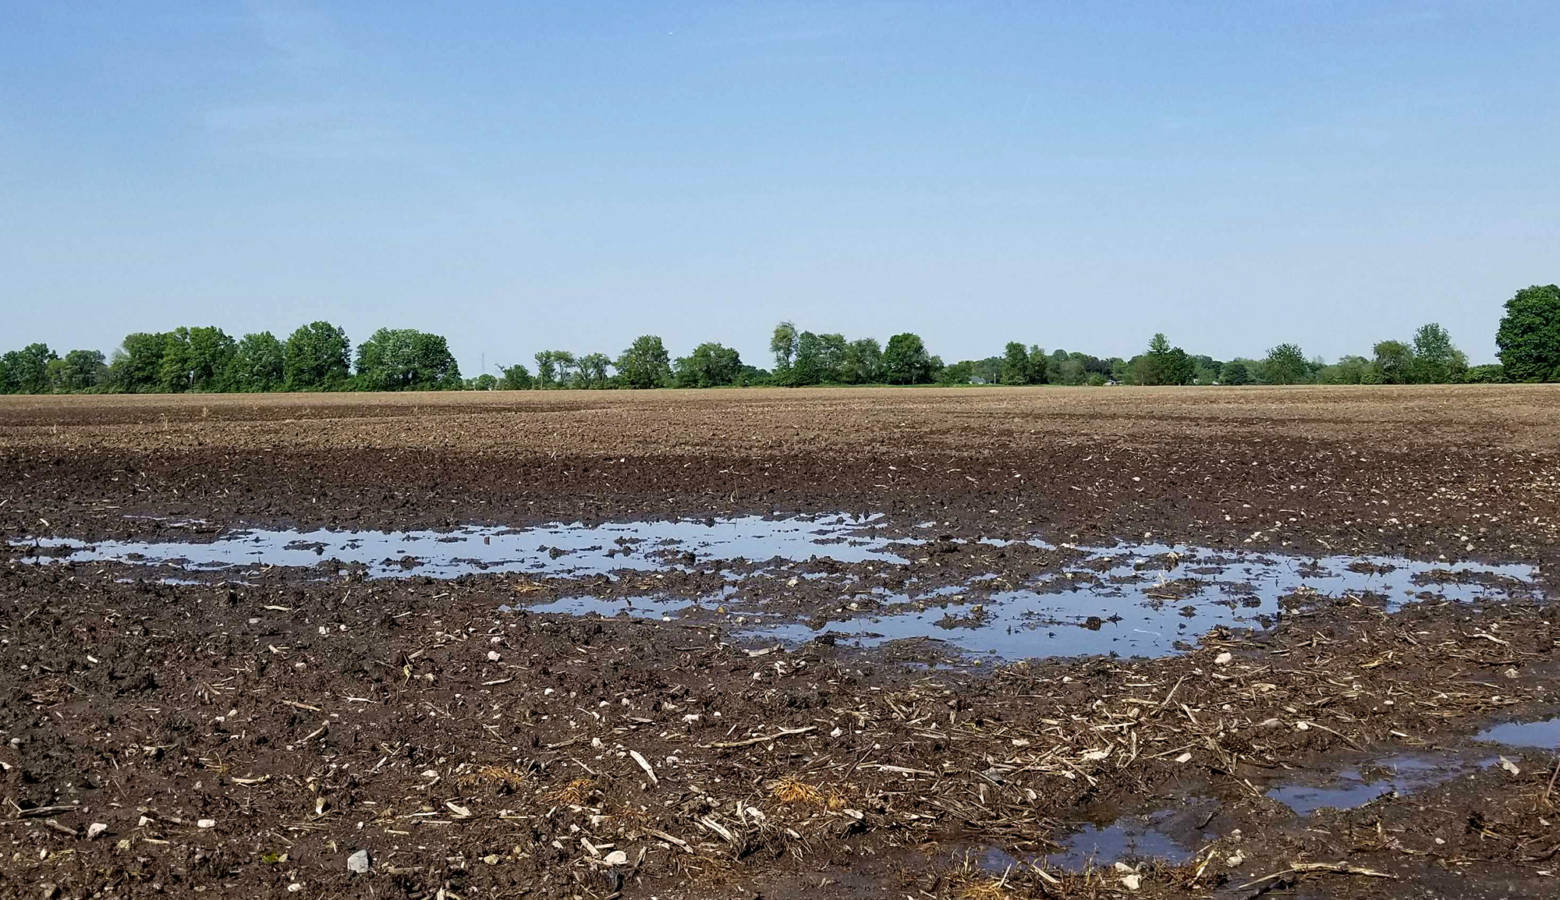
318 357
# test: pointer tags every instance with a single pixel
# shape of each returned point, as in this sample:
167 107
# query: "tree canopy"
1529 335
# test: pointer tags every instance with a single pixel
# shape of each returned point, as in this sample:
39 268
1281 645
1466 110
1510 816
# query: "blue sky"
526 175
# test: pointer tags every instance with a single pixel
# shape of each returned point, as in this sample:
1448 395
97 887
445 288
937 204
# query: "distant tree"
1163 364
1490 374
591 371
1286 364
1069 369
196 359
905 360
1393 363
258 364
1436 359
753 376
555 369
316 358
831 358
26 371
79 370
645 364
1017 367
709 365
962 372
987 371
137 364
862 363
1235 372
1206 369
1097 379
516 378
1529 335
1348 370
405 359
783 345
484 382
808 365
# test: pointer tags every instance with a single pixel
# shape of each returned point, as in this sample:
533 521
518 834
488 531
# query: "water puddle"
1541 735
785 578
1130 839
557 549
1151 601
1359 785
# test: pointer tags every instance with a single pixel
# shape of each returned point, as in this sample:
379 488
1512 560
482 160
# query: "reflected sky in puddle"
557 549
1541 735
1358 785
1135 600
1145 601
1130 839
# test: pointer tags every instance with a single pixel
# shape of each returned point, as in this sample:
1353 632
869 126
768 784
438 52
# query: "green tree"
554 368
196 359
962 372
1393 363
1235 372
1163 364
137 364
783 345
516 378
1348 370
905 360
709 365
484 382
1017 367
258 364
405 359
1490 374
79 370
1436 359
645 364
316 358
987 371
831 358
1529 335
27 370
808 365
862 363
1286 364
591 371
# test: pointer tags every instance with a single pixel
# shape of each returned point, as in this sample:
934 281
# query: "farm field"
974 643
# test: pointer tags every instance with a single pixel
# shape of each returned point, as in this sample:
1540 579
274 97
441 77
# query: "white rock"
357 863
493 656
617 858
95 829
1223 658
206 823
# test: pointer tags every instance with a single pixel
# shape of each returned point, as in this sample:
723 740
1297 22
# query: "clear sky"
521 175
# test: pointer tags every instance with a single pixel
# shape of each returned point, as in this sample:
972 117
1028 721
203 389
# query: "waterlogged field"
946 643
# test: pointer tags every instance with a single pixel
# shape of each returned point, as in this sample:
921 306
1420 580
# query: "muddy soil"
684 721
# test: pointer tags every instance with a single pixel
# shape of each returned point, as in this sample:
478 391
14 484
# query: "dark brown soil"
242 739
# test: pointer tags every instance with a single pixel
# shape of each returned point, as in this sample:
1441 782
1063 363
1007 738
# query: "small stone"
294 888
617 858
95 829
357 863
1223 658
206 823
493 656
